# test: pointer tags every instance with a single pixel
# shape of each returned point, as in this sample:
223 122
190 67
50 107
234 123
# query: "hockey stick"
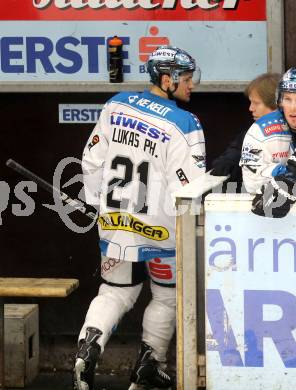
79 205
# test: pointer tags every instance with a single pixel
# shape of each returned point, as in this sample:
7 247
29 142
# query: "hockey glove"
222 168
275 198
227 168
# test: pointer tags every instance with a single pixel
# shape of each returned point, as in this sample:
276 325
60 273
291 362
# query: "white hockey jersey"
266 149
142 149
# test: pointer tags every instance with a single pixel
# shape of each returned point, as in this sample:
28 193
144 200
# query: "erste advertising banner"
67 40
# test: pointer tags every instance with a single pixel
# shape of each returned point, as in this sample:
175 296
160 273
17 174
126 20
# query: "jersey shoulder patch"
273 124
186 121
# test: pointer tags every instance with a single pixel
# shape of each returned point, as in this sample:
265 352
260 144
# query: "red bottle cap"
115 41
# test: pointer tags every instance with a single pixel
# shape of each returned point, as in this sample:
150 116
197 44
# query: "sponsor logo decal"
276 128
159 270
133 123
128 223
148 44
182 177
250 10
148 4
108 264
147 253
164 54
281 154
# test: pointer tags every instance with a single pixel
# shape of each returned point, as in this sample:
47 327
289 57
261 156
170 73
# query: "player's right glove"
276 197
223 167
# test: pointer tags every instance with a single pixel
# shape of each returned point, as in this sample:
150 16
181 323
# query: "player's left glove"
276 197
291 164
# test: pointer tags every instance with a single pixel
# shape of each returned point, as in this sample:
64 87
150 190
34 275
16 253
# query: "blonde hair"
265 85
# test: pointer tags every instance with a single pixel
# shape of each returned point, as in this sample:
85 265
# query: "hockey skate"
86 359
148 374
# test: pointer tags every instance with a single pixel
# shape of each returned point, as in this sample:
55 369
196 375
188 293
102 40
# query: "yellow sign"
128 223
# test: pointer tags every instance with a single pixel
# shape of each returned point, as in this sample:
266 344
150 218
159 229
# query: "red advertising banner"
157 10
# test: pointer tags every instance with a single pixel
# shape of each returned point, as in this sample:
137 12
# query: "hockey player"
268 162
142 149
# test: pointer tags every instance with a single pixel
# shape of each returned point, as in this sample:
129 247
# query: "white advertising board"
46 41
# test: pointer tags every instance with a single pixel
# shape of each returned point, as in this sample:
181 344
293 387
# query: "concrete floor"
114 366
63 381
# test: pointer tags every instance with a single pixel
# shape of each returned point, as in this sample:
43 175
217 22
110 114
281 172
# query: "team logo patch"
94 141
250 154
128 223
132 99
